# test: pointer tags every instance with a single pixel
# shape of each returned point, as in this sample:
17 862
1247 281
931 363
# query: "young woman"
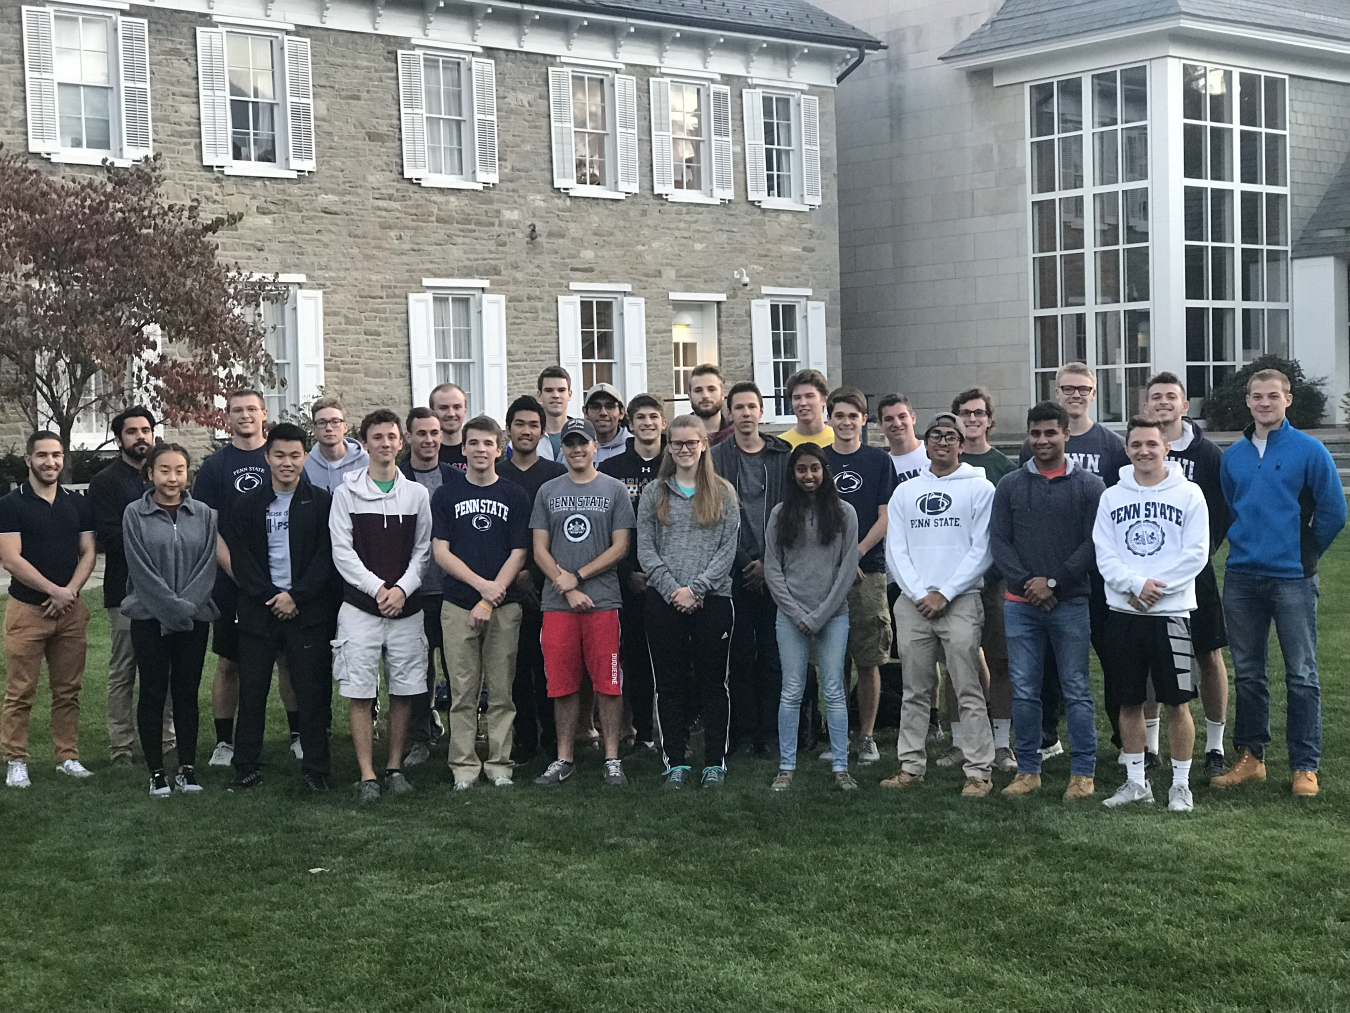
687 527
810 564
171 569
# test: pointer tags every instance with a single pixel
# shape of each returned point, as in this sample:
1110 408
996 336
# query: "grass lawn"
583 898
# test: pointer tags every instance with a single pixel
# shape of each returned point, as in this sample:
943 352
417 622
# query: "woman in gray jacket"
810 564
170 541
687 527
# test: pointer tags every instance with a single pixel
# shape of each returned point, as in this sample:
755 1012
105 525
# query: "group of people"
620 581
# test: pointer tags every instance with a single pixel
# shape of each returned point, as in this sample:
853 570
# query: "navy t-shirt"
228 474
1099 450
865 479
483 525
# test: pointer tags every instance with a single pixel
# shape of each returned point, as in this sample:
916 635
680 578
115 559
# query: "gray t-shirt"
751 482
279 539
581 521
432 575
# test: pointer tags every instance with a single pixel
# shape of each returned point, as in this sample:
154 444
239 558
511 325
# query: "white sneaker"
463 785
867 750
1056 748
502 781
16 775
222 755
1179 798
296 750
1130 791
828 754
953 757
74 768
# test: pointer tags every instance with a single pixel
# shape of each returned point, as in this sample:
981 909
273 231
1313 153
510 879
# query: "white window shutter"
817 354
495 397
309 342
752 106
811 150
299 104
39 70
663 169
723 176
761 351
569 346
625 117
634 347
412 114
560 117
485 121
212 89
133 42
421 347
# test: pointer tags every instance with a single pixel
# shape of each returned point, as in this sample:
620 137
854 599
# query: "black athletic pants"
309 660
168 664
689 656
419 721
756 671
639 685
535 729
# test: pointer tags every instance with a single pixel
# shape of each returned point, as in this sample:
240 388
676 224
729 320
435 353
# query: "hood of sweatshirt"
1070 466
1171 480
963 473
938 532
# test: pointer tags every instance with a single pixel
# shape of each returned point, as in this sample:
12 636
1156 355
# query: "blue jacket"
1288 506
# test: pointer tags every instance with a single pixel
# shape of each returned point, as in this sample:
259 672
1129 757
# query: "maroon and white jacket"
380 539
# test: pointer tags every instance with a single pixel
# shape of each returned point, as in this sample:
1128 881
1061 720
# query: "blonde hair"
1269 374
710 489
1080 368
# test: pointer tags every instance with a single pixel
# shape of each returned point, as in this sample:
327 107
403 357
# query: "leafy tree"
1226 406
112 295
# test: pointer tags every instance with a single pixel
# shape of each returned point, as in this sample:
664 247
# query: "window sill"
688 197
84 156
778 204
594 191
257 169
449 183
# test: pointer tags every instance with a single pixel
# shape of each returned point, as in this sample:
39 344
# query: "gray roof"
1327 233
1019 23
785 19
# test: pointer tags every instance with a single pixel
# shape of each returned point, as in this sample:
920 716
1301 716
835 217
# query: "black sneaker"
159 785
1150 760
186 780
316 783
558 771
245 782
676 778
1215 765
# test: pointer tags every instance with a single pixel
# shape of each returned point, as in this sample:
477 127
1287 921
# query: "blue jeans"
1250 602
1066 631
794 649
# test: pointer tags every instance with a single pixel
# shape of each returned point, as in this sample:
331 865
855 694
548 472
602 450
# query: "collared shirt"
49 535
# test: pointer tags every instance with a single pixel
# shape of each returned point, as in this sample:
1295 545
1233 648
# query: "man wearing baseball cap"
603 408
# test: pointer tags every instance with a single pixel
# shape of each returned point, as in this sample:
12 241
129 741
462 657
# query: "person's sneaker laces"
675 778
316 783
396 784
844 781
159 785
245 782
297 750
1179 798
74 768
222 755
1005 760
502 781
417 755
558 771
867 750
16 775
1055 748
1215 764
1129 793
714 777
614 776
186 780
367 791
953 757
782 781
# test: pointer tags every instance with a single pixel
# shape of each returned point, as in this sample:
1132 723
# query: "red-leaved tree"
111 295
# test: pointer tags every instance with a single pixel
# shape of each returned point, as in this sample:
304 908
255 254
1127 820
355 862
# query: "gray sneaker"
502 781
953 757
367 791
1180 799
843 780
782 781
676 778
1005 760
867 750
558 771
1130 792
420 753
614 775
714 777
463 785
396 784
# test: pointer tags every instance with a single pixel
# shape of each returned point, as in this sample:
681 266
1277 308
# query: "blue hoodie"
1288 506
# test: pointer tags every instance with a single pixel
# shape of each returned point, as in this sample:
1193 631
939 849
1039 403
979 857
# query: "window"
787 334
594 122
457 334
784 332
782 149
687 124
456 347
443 84
251 65
1236 169
602 338
1090 234
293 336
590 128
448 109
598 351
779 148
691 141
88 85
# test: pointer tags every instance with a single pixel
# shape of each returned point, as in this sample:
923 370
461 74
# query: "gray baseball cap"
582 426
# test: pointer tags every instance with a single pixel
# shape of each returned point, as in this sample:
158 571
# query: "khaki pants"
474 658
29 637
121 690
956 633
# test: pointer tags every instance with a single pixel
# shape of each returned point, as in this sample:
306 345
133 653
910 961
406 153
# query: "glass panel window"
599 348
590 128
84 94
277 317
251 65
686 133
779 145
785 333
454 344
443 84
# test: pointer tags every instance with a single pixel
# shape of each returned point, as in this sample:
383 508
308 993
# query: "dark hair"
975 394
524 403
745 387
708 369
1164 377
121 419
325 402
553 373
485 424
244 392
379 417
1140 422
288 432
420 412
890 401
642 401
1049 411
158 451
797 503
806 378
846 395
44 434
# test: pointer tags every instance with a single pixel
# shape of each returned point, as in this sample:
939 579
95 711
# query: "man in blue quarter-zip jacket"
1287 505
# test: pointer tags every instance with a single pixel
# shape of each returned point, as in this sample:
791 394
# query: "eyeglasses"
329 423
947 437
1068 389
683 445
973 413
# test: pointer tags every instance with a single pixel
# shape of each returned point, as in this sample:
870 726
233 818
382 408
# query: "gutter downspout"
862 55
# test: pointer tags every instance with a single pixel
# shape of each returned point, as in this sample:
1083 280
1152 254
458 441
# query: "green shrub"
1226 406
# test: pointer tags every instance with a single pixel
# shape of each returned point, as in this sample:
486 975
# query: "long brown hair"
709 488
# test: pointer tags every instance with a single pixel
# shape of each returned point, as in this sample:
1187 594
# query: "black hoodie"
634 472
1200 463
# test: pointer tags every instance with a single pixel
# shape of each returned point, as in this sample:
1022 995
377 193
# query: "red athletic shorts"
577 642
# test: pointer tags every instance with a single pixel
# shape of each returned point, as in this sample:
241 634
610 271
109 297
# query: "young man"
47 545
1200 459
865 479
380 526
289 596
424 466
110 491
756 466
807 392
635 467
555 395
450 406
480 537
534 712
1285 498
707 400
908 455
1040 533
334 453
937 548
582 523
604 410
1152 540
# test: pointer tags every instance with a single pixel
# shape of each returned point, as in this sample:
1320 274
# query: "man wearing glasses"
334 453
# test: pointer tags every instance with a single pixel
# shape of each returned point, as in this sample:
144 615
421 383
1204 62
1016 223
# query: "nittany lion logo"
847 482
1144 538
481 522
577 528
934 503
247 481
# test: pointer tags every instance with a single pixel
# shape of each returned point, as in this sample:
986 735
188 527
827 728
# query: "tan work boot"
1023 784
1247 768
1305 783
1080 786
975 788
901 779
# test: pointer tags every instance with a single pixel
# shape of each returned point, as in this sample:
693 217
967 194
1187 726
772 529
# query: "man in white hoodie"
1152 541
937 551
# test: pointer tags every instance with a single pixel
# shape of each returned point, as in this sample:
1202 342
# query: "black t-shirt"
454 456
634 471
228 474
532 479
49 535
483 525
865 479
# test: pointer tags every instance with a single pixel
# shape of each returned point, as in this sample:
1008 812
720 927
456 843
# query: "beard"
140 451
706 411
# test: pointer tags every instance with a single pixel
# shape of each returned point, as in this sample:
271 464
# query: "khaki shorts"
869 622
992 639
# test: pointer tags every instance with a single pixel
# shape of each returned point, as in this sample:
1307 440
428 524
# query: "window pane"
1043 226
1253 220
461 319
1134 143
1253 334
1221 273
1221 335
1193 91
1047 342
1110 396
1108 339
1075 292
1070 105
1250 157
1197 272
1277 332
1135 387
1106 158
1195 333
1252 288
1250 111
1107 214
1276 170
1277 219
1197 386
1193 151
1136 216
1136 274
1134 95
1042 109
1104 100
1073 334
1220 153
1275 89
1071 223
1071 162
1047 283
97 118
1220 96
1197 207
1045 386
1221 216
1277 276
1043 167
1108 276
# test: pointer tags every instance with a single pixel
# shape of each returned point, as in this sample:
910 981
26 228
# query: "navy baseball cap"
579 426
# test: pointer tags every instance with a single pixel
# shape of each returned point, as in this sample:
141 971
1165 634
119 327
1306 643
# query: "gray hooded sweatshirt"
682 553
171 563
810 582
328 475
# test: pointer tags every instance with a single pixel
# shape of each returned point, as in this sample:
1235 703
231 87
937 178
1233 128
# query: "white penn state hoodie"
1158 532
937 534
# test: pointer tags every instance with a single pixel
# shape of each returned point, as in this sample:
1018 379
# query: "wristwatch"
1050 582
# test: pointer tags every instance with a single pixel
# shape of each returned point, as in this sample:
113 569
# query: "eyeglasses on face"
684 445
1068 388
947 437
973 413
329 423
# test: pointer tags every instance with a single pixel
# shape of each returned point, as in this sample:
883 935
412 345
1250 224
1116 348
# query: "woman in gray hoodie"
810 564
170 541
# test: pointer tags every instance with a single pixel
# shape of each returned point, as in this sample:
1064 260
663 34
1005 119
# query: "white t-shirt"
1260 446
279 539
909 465
1187 435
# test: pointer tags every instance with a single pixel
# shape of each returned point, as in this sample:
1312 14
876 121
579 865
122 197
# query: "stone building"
1141 184
470 191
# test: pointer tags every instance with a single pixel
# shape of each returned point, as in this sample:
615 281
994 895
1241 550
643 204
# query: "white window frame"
302 318
621 154
479 79
806 135
130 128
704 312
487 316
630 339
812 345
718 176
